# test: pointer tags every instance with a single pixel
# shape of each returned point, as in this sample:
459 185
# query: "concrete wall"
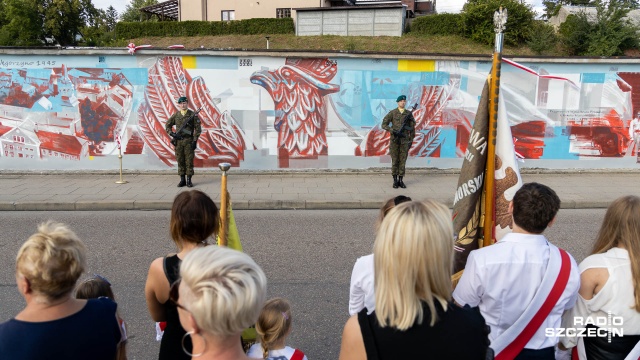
76 109
351 21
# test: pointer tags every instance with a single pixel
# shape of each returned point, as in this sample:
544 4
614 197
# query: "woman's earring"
189 333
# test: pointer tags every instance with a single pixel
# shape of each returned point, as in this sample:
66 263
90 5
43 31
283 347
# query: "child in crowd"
95 287
273 327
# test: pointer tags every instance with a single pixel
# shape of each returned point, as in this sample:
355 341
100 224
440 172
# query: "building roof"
166 10
61 143
4 129
633 16
357 7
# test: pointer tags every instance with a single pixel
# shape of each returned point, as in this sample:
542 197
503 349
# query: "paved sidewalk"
285 190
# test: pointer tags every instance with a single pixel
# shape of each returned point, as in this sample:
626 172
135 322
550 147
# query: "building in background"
210 10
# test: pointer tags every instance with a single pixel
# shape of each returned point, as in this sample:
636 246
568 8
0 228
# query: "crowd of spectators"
402 302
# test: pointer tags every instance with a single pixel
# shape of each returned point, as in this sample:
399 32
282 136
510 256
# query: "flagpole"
224 228
499 21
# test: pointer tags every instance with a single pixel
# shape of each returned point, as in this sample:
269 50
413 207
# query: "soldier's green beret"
182 99
400 98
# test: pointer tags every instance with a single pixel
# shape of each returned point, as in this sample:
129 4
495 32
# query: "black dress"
171 344
459 333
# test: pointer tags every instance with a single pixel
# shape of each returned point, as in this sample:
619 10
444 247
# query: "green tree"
477 20
63 20
38 22
22 22
111 18
608 34
132 11
542 38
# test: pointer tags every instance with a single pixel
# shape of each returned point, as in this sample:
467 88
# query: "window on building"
283 13
228 15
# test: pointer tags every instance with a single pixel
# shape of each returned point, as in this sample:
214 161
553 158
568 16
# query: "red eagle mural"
431 100
298 90
222 140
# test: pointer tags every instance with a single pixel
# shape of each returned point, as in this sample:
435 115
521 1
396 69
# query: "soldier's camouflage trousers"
184 156
399 154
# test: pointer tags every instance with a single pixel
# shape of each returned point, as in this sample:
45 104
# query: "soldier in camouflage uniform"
401 139
188 138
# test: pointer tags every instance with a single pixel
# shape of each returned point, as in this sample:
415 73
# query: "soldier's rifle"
175 136
399 134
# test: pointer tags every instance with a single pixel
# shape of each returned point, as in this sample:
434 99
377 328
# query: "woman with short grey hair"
54 324
221 292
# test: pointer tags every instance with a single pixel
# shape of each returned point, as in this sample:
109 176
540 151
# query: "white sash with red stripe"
511 342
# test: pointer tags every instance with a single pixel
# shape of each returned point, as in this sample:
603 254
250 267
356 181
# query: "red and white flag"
132 48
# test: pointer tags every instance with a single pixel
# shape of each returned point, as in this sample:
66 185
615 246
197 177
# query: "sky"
119 5
443 5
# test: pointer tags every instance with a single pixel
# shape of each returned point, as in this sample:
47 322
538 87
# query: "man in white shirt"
634 134
502 279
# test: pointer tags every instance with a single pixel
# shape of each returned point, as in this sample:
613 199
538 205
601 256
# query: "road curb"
119 205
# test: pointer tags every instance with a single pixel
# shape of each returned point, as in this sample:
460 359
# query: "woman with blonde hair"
610 286
273 327
361 289
220 293
54 324
414 315
194 220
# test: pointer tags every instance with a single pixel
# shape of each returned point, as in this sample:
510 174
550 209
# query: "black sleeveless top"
599 348
459 333
171 344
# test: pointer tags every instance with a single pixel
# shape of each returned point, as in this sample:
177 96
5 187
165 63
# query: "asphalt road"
307 256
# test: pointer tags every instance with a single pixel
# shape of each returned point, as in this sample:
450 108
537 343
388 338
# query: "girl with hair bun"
273 327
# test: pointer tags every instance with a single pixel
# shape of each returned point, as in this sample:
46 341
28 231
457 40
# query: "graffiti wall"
263 112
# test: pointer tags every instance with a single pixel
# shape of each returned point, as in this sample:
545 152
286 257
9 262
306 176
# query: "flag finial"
500 20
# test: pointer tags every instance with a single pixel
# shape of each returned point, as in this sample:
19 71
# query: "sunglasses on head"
174 294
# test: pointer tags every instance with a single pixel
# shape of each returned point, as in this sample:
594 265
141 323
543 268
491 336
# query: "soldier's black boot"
182 181
401 183
189 183
395 181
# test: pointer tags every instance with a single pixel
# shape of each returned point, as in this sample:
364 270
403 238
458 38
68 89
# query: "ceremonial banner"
468 203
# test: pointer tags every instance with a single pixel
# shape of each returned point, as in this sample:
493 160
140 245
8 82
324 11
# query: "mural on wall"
299 90
274 112
221 140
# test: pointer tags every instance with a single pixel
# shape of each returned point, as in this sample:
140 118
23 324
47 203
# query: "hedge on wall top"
477 20
129 30
438 24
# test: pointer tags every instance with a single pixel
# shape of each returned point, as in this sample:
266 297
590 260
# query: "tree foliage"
542 38
22 22
477 20
132 11
609 33
111 18
43 22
